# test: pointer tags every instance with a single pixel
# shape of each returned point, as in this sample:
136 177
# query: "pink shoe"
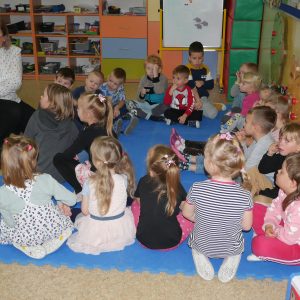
179 138
177 152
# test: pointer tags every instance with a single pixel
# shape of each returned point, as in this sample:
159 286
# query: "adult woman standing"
14 113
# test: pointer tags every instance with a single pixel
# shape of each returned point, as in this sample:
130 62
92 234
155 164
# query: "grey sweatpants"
209 111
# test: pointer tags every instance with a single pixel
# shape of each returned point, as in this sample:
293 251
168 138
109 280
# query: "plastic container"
87 26
47 27
50 67
84 46
76 26
49 46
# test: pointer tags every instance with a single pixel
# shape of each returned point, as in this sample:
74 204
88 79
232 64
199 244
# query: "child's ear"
186 80
298 148
71 86
293 184
189 58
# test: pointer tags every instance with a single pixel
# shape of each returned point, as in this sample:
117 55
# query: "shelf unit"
136 31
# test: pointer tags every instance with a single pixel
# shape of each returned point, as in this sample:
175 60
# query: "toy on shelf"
50 8
27 48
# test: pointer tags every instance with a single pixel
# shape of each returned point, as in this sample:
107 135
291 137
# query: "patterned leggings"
186 225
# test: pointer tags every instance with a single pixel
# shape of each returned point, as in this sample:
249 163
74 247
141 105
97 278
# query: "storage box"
83 46
47 27
5 9
293 288
49 46
50 67
15 42
22 8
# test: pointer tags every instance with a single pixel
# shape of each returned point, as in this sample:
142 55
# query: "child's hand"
116 112
172 89
66 209
197 105
272 149
259 103
143 92
155 70
199 83
240 135
238 77
269 232
182 119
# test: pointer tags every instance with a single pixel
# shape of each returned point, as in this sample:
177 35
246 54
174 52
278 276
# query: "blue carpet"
135 257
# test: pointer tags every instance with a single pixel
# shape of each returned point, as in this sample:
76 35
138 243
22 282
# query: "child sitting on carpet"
29 219
159 197
181 99
106 224
235 89
259 121
289 142
220 208
276 229
151 92
52 128
251 82
96 111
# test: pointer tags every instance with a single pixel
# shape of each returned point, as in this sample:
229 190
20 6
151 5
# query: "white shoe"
203 266
253 257
36 252
168 121
219 106
52 245
197 124
229 267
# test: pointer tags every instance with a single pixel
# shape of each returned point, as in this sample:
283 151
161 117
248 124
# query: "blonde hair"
282 104
228 157
153 59
252 78
292 167
108 150
102 111
5 33
274 89
263 116
98 73
292 130
61 101
252 67
18 160
164 164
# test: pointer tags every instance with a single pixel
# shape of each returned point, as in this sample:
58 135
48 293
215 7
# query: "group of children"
256 138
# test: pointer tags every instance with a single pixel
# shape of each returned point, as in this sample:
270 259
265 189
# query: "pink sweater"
248 102
290 232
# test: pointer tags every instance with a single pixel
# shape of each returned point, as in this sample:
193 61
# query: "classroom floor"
32 282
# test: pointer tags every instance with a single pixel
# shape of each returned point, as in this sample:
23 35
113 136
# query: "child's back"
53 131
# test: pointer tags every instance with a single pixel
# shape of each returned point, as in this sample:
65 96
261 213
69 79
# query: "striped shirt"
219 209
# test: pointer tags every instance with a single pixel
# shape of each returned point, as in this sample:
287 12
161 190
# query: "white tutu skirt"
94 236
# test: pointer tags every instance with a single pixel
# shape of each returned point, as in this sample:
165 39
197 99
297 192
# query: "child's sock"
229 267
184 166
193 151
203 265
187 156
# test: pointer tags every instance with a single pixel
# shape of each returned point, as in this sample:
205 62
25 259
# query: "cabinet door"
124 26
124 48
134 68
153 7
153 38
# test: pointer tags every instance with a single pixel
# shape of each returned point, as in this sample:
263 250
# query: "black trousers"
173 114
13 117
66 167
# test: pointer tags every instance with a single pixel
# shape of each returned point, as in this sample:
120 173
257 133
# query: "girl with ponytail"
159 197
95 110
106 224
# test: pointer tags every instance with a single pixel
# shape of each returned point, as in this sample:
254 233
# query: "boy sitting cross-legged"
151 92
181 99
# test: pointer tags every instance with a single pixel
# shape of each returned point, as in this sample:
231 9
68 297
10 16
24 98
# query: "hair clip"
169 163
122 153
166 156
285 96
270 86
243 169
282 91
278 86
6 141
101 98
29 147
226 136
238 149
105 162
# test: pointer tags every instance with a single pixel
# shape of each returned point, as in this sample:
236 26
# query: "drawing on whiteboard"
199 26
197 20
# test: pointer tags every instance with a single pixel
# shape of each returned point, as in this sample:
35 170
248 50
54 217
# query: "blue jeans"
200 165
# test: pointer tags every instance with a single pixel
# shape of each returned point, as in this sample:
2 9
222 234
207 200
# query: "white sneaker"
197 124
52 245
253 257
203 265
219 106
229 267
36 252
168 121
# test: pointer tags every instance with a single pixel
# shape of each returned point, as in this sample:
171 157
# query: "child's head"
94 81
107 154
288 179
282 104
162 165
65 77
59 100
270 90
248 67
149 62
116 79
251 82
18 160
289 139
94 108
196 54
181 76
224 156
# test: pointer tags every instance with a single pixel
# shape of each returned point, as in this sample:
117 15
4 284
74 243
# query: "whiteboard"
187 21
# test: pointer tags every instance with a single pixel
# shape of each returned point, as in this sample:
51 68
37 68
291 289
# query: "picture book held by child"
29 219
